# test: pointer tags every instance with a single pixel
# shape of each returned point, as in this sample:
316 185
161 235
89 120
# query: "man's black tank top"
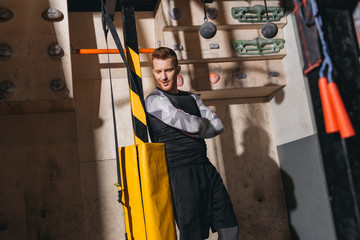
180 148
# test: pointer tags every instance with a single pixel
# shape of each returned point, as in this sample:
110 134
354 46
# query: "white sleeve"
215 126
159 106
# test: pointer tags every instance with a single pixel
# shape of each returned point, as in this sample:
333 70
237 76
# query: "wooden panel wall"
240 75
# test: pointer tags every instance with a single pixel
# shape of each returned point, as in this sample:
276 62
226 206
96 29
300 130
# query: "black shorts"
200 201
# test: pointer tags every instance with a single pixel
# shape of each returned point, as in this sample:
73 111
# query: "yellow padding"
149 210
134 61
137 108
134 221
137 140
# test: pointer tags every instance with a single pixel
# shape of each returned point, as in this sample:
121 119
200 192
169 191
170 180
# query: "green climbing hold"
258 46
257 13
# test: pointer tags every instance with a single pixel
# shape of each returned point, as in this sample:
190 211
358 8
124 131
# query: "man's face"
165 73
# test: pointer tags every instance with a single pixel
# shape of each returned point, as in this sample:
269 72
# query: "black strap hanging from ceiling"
110 7
107 23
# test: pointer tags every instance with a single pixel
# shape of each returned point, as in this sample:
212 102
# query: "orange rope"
105 51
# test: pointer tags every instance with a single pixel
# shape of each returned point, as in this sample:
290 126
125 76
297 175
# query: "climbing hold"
257 13
175 13
55 50
212 13
5 14
180 80
7 86
178 47
5 50
240 75
52 15
214 78
274 74
57 85
258 46
214 46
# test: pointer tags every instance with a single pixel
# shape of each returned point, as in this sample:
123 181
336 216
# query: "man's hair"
164 53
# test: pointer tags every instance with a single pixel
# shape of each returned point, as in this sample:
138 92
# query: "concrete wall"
103 215
295 131
198 59
245 155
30 67
39 175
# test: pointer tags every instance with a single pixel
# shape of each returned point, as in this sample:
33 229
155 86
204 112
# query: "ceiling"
95 5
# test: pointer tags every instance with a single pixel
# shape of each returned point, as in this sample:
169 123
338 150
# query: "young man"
181 121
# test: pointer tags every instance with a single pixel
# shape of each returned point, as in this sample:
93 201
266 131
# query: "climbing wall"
39 175
36 66
248 64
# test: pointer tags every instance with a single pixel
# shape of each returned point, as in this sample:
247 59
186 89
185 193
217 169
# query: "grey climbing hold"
57 85
5 14
55 50
7 86
52 15
5 50
212 13
175 13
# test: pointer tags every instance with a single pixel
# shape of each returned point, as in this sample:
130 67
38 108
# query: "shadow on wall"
279 96
253 178
291 203
39 177
102 213
87 95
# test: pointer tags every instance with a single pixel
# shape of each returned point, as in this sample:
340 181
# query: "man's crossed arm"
206 126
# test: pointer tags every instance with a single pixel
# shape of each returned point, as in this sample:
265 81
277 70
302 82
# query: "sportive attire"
201 201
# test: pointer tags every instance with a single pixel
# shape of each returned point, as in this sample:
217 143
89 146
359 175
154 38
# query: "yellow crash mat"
146 192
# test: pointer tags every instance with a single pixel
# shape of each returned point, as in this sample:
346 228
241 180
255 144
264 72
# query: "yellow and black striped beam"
135 82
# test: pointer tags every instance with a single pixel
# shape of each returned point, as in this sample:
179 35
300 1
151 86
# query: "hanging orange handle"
331 125
345 126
